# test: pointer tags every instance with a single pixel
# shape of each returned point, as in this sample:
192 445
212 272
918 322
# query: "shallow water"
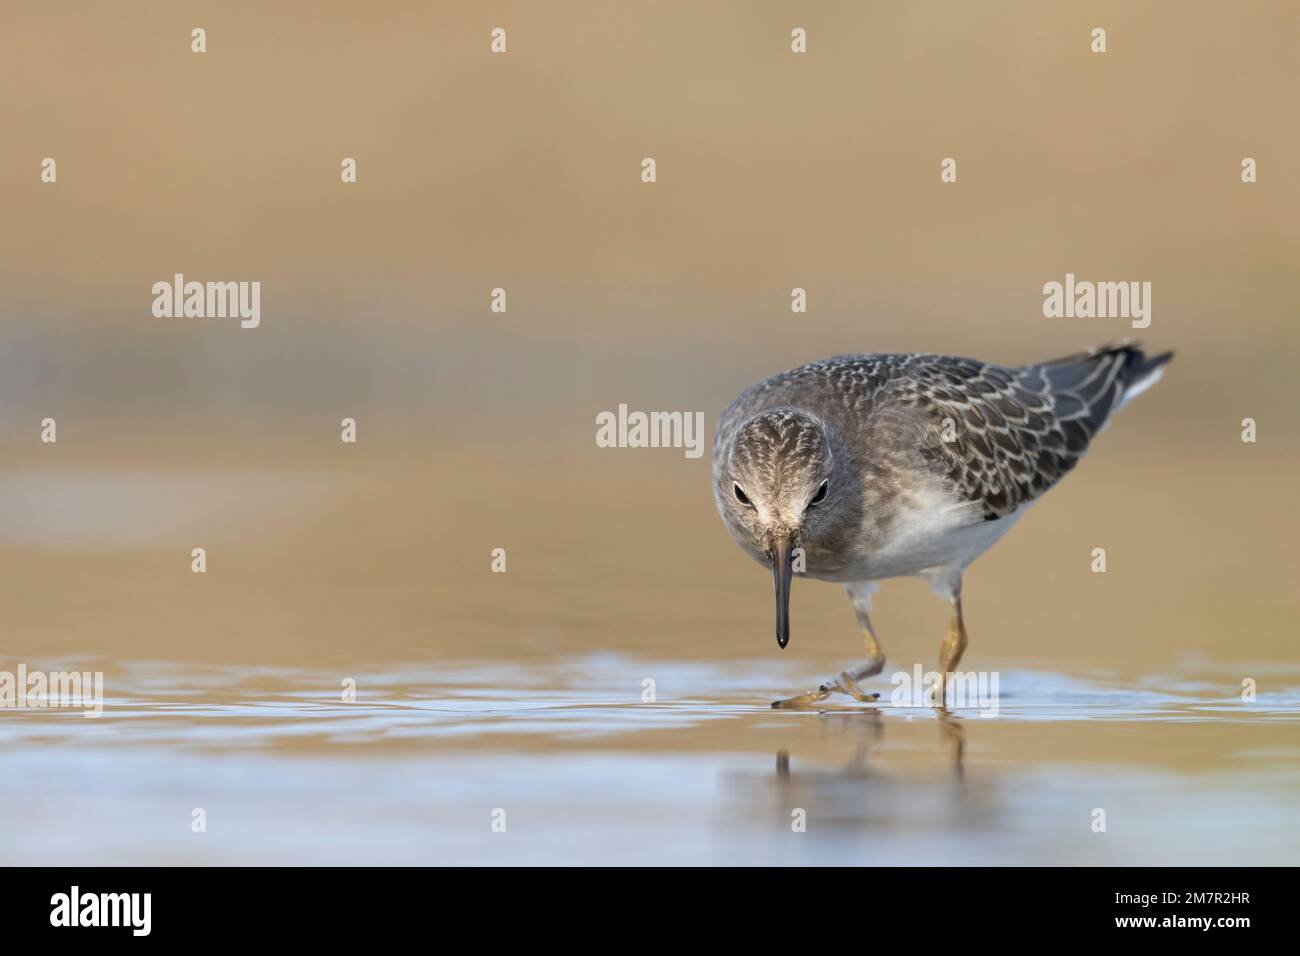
522 691
413 770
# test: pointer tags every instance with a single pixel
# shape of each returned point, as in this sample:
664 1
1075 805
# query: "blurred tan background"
522 171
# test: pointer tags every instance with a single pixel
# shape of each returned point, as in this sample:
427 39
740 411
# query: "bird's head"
777 491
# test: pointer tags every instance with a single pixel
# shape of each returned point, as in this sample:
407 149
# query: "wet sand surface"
527 691
477 691
586 771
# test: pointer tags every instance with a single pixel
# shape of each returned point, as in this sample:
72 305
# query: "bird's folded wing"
1003 436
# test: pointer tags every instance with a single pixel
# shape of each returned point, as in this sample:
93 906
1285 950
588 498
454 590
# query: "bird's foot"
847 685
844 684
801 701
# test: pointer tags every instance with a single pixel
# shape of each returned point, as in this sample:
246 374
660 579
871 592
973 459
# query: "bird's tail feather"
1145 373
1138 372
1104 379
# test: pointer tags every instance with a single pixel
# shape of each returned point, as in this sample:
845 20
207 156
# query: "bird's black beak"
782 571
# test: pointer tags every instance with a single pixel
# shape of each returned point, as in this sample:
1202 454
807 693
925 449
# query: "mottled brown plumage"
883 465
1014 432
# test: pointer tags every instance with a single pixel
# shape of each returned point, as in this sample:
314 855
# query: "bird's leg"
951 650
847 681
860 594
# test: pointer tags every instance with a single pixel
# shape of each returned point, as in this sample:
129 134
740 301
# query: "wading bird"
864 467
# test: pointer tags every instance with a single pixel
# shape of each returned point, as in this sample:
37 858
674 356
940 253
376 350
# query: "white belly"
937 532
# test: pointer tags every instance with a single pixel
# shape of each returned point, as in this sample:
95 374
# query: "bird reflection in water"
868 725
866 792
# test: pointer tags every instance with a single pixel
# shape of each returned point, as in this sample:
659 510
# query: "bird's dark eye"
821 494
740 495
